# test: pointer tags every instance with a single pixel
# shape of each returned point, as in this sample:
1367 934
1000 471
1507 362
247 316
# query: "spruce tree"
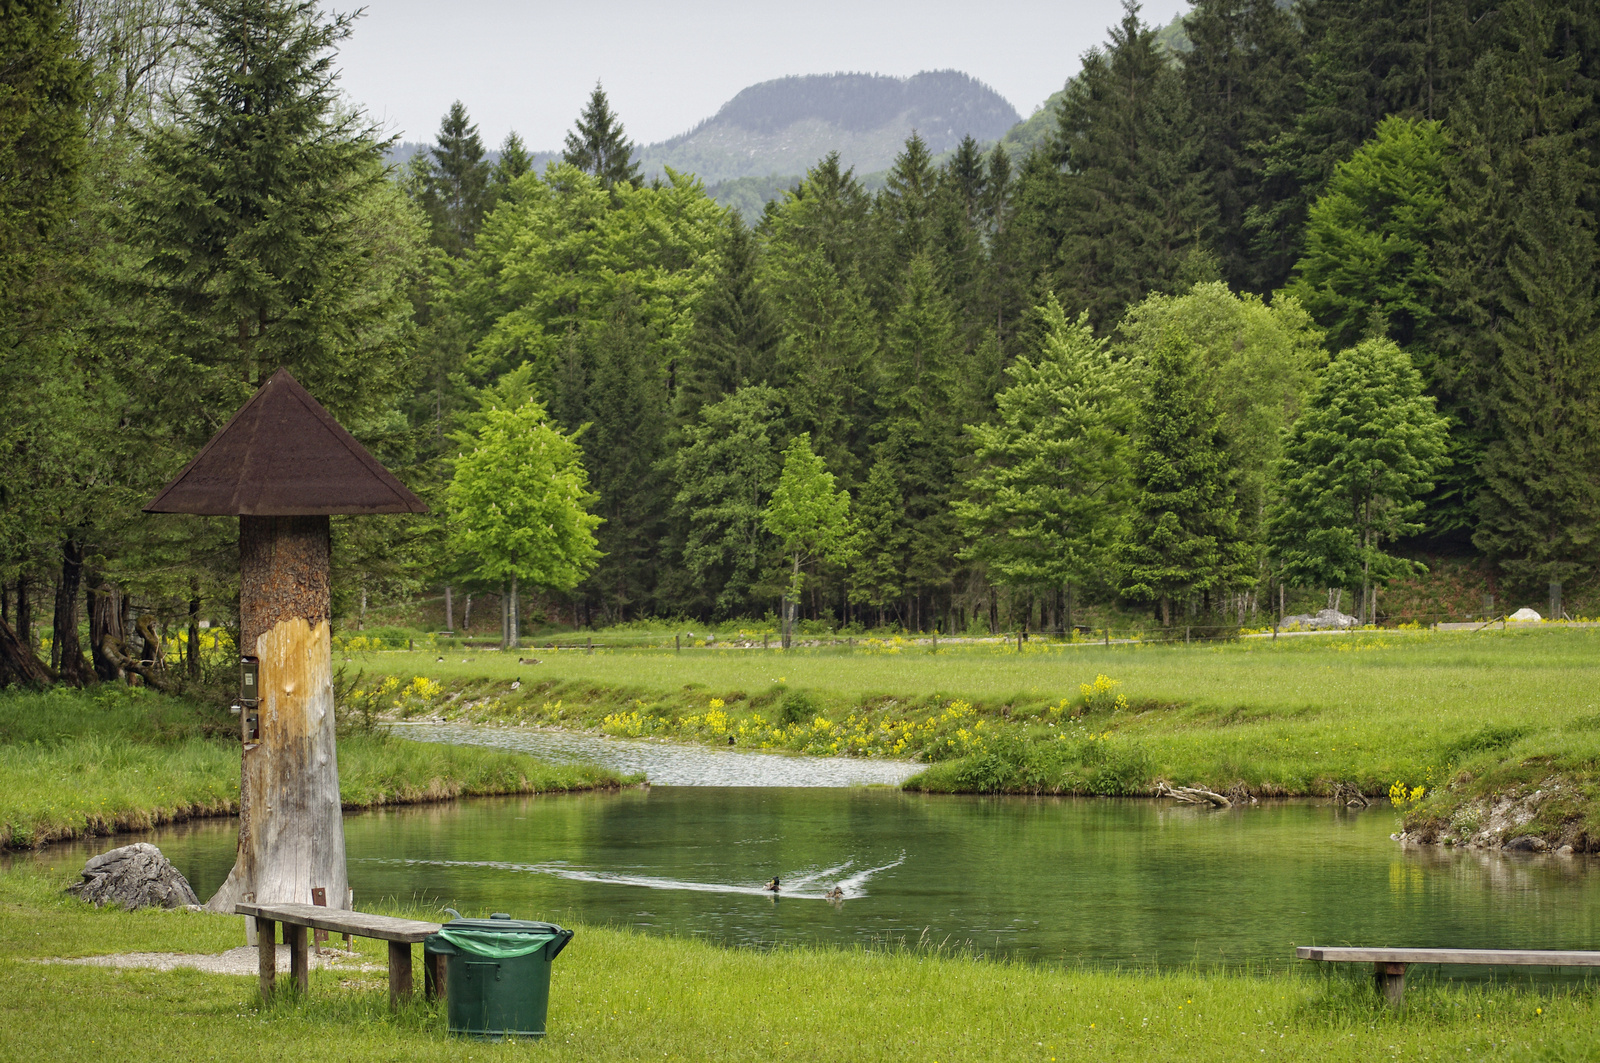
1047 500
724 473
1539 509
735 337
457 185
599 146
880 546
1354 468
906 205
262 249
1242 82
1184 527
1132 200
515 160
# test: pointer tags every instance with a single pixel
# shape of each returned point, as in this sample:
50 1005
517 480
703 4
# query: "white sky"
530 66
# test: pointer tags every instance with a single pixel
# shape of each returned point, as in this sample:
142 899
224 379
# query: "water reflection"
1103 882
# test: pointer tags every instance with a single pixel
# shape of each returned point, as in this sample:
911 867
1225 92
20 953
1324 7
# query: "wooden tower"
283 465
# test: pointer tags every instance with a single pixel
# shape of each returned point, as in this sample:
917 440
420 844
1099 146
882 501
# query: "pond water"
1058 880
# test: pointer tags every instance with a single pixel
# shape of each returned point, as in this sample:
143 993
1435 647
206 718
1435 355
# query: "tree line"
1273 311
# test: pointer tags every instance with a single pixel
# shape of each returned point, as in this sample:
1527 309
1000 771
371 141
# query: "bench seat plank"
1498 957
361 924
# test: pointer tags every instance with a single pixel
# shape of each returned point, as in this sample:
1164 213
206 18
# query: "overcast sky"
530 66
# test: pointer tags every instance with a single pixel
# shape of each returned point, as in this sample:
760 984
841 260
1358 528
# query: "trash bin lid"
501 923
502 937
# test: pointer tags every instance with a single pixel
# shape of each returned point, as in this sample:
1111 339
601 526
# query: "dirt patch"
242 961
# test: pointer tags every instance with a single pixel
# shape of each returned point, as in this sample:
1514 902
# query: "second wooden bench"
1389 965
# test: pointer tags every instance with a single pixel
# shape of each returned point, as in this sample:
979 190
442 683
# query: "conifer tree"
515 160
457 182
263 249
735 336
1047 501
1184 535
1132 200
879 546
1242 82
725 471
599 146
906 205
1354 468
1539 510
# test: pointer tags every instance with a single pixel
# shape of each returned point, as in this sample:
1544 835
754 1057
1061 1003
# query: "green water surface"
1102 882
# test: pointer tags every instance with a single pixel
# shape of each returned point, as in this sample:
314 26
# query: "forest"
1289 311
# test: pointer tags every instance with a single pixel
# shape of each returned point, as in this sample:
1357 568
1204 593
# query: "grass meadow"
119 758
1447 712
621 995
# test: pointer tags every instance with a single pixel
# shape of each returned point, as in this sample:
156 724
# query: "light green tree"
810 519
519 503
1048 498
1355 467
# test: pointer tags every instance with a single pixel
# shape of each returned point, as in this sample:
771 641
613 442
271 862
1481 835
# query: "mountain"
785 126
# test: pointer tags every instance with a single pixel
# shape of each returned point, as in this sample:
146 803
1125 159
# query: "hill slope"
785 126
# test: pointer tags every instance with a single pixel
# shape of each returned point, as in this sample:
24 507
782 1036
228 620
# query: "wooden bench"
1389 965
401 934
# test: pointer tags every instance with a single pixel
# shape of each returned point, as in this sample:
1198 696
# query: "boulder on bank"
1326 620
134 876
1525 614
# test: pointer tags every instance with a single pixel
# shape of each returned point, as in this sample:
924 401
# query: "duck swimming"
835 894
772 887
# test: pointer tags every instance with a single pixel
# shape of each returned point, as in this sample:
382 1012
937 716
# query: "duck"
835 894
772 887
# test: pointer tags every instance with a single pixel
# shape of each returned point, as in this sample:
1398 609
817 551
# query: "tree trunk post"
194 628
65 647
1555 601
291 830
449 610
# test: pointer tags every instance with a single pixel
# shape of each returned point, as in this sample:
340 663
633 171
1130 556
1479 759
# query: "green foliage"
725 472
1354 468
456 180
736 334
519 500
1132 198
1048 500
810 519
1185 537
1259 363
598 145
1367 269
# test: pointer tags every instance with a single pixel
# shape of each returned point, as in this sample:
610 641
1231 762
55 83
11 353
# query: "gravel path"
241 960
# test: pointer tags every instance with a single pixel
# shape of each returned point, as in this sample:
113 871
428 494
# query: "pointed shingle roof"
284 455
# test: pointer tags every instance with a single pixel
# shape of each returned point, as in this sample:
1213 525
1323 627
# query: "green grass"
1451 712
119 758
619 995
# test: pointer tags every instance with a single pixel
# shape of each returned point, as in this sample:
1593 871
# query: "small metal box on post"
283 466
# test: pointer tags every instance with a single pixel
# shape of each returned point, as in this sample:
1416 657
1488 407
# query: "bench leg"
299 964
433 976
267 956
1390 979
399 973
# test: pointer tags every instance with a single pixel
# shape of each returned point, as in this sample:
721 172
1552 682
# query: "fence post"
1108 634
764 640
590 645
677 644
935 640
1019 641
1186 634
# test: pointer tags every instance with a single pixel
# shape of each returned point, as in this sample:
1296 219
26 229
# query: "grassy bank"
118 758
1449 713
617 995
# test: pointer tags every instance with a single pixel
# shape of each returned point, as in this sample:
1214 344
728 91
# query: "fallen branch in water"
1193 795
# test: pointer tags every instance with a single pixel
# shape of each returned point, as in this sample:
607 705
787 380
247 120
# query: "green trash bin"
497 974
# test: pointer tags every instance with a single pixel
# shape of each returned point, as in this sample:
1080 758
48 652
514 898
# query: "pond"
1060 880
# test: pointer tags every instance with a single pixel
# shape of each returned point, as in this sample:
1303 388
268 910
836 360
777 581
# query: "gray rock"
1525 614
1528 843
134 876
1326 620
